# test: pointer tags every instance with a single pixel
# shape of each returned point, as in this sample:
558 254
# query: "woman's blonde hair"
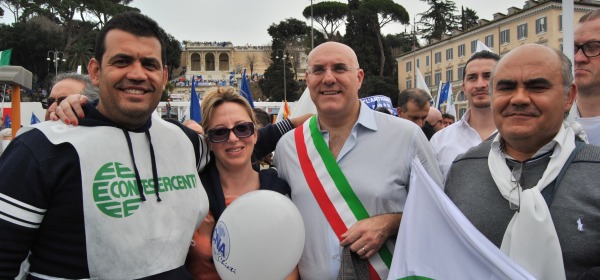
219 95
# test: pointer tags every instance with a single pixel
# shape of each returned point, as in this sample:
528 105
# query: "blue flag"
443 95
7 122
195 105
245 90
34 119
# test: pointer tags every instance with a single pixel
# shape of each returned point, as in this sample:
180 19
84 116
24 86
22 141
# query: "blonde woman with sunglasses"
231 133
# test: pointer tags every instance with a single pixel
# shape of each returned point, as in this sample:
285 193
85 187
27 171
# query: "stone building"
218 62
444 60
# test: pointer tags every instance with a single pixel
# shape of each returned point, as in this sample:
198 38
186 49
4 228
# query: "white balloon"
260 235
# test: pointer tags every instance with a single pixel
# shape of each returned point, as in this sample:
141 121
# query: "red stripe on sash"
315 185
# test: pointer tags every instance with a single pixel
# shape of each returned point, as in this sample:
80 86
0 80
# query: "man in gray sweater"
533 190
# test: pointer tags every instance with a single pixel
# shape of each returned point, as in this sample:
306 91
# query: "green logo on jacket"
116 192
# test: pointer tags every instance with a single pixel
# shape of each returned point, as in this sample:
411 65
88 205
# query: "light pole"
56 57
283 57
312 35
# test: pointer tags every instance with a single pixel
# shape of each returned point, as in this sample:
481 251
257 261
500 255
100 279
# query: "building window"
195 62
522 31
409 66
473 46
540 25
461 112
560 23
223 62
426 61
449 75
428 79
461 50
438 77
418 63
489 41
461 71
449 54
408 84
209 62
505 36
438 57
461 96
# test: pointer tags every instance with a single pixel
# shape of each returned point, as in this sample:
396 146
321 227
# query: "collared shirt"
497 146
376 160
591 126
454 140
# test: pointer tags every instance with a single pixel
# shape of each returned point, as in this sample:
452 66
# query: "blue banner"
245 89
195 106
376 101
443 95
34 119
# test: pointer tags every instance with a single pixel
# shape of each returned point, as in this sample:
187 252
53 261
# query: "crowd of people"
113 192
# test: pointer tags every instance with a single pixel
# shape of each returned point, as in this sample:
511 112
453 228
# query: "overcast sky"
245 21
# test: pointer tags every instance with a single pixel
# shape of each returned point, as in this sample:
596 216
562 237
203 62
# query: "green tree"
289 31
173 48
440 19
362 38
403 42
385 11
329 15
81 52
468 18
104 10
30 44
14 6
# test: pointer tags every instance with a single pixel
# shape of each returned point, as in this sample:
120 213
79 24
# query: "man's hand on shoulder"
297 121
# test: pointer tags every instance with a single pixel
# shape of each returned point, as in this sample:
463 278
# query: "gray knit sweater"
470 185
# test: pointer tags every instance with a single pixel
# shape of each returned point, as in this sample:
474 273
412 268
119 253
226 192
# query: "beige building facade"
444 60
215 61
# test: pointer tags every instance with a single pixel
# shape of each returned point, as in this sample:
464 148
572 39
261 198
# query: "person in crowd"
66 84
447 119
383 110
413 105
587 75
117 197
262 119
231 131
334 156
194 126
433 122
532 189
477 123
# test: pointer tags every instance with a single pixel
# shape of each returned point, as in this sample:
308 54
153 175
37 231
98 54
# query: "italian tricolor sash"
333 193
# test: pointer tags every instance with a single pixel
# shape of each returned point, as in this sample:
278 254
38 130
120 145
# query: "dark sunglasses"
50 100
221 134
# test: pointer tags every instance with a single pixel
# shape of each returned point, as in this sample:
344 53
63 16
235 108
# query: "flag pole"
15 99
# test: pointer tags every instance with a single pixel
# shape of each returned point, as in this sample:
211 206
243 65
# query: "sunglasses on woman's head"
221 134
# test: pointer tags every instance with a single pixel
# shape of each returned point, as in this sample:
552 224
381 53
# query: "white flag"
482 47
437 241
304 105
450 108
421 83
436 104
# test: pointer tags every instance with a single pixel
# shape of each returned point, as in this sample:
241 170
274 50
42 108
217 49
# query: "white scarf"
530 238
